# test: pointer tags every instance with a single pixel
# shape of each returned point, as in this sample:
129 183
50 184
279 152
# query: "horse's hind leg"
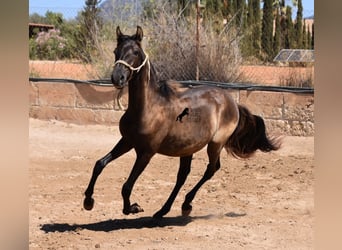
184 170
213 151
120 148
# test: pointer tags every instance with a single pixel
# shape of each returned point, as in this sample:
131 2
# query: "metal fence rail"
237 86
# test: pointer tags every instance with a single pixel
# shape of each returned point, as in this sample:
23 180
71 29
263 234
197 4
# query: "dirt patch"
265 202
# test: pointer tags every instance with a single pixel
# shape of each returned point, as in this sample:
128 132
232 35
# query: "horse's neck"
141 90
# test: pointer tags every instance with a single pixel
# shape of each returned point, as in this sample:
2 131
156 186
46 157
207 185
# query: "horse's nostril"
122 78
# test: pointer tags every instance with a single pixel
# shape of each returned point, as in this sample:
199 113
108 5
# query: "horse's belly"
175 145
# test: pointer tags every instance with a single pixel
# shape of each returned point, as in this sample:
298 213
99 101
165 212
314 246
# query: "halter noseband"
137 69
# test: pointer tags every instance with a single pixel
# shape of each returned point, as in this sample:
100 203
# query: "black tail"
249 136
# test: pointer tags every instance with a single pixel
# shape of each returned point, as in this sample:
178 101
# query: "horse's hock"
284 113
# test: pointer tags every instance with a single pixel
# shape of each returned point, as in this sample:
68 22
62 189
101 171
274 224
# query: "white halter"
137 69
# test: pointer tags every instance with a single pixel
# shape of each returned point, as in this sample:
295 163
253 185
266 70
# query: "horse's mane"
165 89
163 86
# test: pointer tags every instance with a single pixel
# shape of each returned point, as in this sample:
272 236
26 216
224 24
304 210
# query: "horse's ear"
118 32
139 34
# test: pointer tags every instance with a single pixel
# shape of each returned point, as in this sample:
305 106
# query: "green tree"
308 39
54 18
256 27
213 6
36 18
304 44
312 37
267 29
288 29
298 28
277 34
240 8
234 6
226 9
89 29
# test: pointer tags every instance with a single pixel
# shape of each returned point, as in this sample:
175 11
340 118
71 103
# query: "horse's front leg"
120 148
140 163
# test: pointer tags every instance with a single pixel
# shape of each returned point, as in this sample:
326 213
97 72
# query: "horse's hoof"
186 210
186 213
88 203
158 215
133 209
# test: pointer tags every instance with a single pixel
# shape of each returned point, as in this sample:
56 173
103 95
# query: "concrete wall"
284 113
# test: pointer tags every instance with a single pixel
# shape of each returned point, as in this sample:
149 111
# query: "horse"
168 118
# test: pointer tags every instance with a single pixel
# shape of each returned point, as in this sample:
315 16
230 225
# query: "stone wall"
284 113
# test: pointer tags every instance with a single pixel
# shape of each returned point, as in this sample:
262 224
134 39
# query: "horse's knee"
210 171
99 165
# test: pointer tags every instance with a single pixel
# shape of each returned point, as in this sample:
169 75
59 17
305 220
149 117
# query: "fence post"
197 38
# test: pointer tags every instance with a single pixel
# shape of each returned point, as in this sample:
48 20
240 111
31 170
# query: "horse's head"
129 57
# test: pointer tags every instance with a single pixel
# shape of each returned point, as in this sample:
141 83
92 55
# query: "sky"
70 8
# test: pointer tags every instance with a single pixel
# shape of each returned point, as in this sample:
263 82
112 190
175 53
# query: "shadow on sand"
137 223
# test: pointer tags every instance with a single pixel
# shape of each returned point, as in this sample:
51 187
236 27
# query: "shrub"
297 78
33 51
171 43
48 46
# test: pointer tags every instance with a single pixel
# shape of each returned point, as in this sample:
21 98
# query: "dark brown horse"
166 118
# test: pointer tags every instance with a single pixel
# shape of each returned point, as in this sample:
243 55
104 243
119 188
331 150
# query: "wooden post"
197 38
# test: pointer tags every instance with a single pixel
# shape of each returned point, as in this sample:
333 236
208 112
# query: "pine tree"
240 7
305 37
256 36
312 37
233 7
267 29
298 29
277 34
282 10
246 42
308 34
213 6
288 29
226 9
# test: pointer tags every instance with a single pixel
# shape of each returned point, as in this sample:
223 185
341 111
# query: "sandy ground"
265 202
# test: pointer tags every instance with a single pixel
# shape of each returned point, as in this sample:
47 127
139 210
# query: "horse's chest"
142 130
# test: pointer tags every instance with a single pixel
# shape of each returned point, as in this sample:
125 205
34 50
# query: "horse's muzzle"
118 83
119 78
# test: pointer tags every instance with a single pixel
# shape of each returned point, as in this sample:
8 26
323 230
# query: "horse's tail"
250 135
